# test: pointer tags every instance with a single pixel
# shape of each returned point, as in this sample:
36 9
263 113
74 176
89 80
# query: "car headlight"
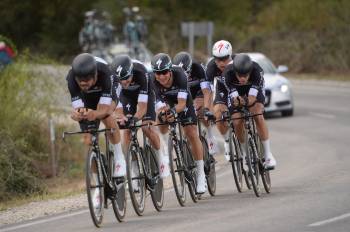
284 88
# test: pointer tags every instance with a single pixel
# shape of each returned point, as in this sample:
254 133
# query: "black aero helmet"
122 67
161 62
242 64
183 60
84 66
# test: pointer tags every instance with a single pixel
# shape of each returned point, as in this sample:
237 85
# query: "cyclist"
174 98
245 77
89 83
222 56
200 90
136 100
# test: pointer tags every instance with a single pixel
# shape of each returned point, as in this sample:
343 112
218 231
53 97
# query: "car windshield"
267 66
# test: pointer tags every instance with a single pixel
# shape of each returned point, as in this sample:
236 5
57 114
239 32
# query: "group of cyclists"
126 93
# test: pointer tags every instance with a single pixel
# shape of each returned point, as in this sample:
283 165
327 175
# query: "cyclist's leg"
261 126
86 125
220 105
191 132
239 131
150 117
199 106
154 139
163 129
114 137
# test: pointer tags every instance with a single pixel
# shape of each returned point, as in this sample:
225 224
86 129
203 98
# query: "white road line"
44 220
55 218
321 223
322 115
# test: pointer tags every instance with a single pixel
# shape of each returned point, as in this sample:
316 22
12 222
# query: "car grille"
282 103
267 97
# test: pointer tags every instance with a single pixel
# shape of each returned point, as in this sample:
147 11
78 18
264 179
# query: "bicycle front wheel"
209 167
191 171
236 161
177 170
253 165
157 194
94 187
265 174
136 179
119 198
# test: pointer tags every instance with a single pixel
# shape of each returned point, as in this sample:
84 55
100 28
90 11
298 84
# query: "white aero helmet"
222 48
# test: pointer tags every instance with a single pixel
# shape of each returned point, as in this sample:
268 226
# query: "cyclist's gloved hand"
208 115
245 101
171 114
133 121
161 117
225 115
239 101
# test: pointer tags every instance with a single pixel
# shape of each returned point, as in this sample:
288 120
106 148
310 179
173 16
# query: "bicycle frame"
96 148
144 159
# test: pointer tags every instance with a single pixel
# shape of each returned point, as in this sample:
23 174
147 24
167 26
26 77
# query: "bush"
29 95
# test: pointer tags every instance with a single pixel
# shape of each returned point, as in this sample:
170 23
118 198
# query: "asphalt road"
311 185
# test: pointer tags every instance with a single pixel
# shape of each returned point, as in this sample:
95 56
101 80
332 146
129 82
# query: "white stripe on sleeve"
78 104
253 92
142 98
105 101
205 85
234 94
182 95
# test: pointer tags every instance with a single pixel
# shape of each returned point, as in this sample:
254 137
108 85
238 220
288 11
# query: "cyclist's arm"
104 108
207 97
142 99
181 104
141 110
160 102
77 102
257 79
205 86
182 95
102 111
229 78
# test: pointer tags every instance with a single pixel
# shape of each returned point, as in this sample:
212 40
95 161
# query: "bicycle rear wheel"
176 164
254 169
209 167
236 161
157 194
94 187
136 179
119 198
191 171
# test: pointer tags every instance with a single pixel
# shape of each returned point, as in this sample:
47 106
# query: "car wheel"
287 113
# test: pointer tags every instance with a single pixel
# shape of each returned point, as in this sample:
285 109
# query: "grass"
314 76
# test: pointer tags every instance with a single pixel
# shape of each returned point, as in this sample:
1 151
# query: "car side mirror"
282 69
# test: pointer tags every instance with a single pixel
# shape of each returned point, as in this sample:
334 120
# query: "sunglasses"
84 78
241 75
224 58
163 72
125 78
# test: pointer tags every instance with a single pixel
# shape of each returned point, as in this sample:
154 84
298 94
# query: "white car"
278 91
